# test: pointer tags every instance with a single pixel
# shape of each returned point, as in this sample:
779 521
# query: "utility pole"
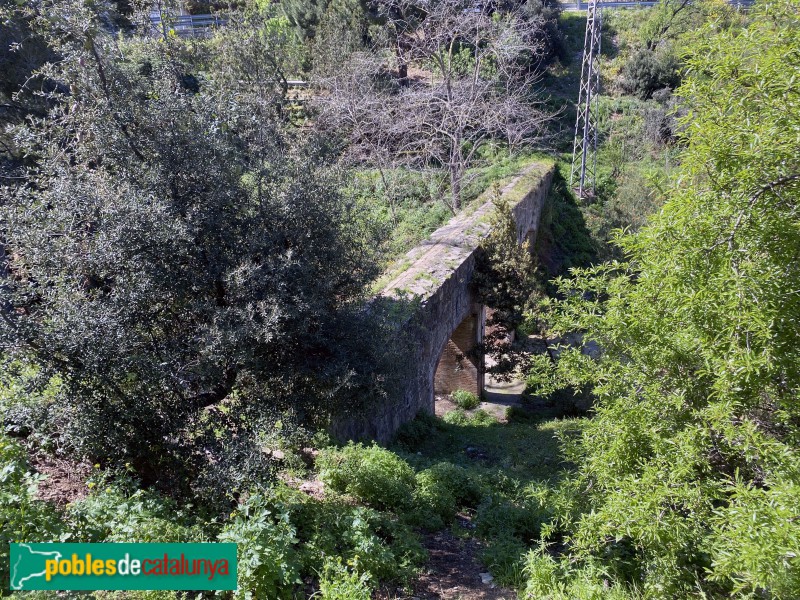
584 150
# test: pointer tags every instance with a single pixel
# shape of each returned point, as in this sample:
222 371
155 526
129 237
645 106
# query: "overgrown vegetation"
185 253
127 275
639 135
692 452
465 400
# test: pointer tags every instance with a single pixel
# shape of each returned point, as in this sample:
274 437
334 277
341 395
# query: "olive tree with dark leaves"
173 252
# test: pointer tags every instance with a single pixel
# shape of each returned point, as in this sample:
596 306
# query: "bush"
499 516
547 578
337 582
268 564
121 513
371 474
233 239
479 418
648 71
518 414
25 397
373 543
434 508
458 481
456 417
551 36
385 549
505 559
441 490
23 517
464 399
688 464
413 434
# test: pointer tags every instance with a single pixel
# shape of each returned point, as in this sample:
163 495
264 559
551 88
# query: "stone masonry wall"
437 276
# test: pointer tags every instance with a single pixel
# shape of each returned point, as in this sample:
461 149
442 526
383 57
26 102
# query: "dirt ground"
65 480
454 569
453 572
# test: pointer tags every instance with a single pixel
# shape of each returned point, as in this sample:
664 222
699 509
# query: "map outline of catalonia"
14 575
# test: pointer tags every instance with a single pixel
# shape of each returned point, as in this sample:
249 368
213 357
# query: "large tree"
475 84
22 52
172 251
689 474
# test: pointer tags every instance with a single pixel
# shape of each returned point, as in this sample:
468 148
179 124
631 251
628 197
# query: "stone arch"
437 276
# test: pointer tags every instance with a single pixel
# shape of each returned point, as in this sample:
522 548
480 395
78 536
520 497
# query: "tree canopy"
172 250
689 473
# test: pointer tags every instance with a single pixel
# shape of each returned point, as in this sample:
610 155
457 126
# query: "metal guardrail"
187 25
582 6
578 6
203 25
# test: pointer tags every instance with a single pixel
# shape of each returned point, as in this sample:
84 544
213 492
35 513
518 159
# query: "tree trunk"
455 185
402 65
456 168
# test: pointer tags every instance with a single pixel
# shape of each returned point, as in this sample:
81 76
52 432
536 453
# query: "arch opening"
459 368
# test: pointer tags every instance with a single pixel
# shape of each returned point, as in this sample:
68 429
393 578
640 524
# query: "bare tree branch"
473 81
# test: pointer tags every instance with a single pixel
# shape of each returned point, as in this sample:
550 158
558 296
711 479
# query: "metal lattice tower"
584 150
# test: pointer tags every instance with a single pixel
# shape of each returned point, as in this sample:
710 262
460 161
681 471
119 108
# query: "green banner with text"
123 566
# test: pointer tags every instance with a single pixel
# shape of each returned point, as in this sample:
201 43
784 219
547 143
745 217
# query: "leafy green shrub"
482 418
434 502
517 414
375 476
464 399
23 517
548 578
128 378
337 582
499 516
458 417
753 545
385 549
374 544
458 481
25 398
552 36
441 490
689 463
268 564
505 559
648 71
354 536
122 513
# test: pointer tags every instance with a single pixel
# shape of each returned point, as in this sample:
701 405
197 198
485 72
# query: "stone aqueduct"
445 322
